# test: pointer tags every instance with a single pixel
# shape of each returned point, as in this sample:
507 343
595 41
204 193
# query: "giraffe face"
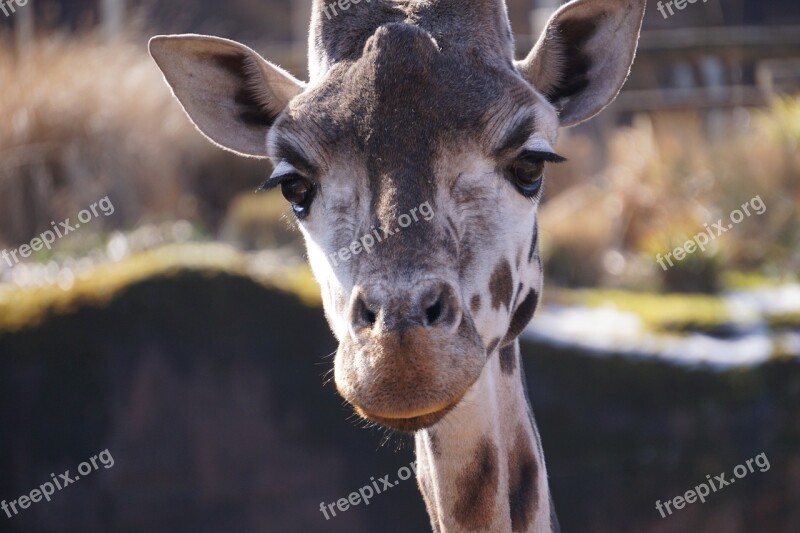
414 161
417 199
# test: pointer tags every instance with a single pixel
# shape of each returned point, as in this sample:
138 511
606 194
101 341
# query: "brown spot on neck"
522 316
475 304
508 359
523 473
501 285
477 484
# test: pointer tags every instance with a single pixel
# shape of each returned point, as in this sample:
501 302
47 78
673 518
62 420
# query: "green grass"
754 280
679 313
659 312
25 307
784 321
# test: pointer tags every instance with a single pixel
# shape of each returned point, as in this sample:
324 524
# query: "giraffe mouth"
411 421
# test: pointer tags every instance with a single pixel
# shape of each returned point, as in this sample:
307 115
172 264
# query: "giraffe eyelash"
275 181
284 171
547 157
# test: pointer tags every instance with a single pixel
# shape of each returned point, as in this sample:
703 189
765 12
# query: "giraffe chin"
412 421
409 379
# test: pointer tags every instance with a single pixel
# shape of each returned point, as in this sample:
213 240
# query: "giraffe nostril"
434 312
441 307
434 306
365 316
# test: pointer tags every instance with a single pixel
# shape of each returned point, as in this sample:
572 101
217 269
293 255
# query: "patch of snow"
606 330
766 301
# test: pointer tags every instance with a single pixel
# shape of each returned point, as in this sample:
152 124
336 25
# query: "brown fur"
475 303
418 367
478 480
523 471
522 315
501 285
508 359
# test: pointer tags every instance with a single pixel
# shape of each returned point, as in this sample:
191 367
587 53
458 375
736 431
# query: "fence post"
301 14
112 13
23 27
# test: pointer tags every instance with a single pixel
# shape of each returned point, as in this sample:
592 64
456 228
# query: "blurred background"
183 332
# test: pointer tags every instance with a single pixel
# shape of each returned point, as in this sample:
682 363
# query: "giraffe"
413 102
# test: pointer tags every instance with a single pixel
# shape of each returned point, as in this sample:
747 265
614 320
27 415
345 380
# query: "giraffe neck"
482 467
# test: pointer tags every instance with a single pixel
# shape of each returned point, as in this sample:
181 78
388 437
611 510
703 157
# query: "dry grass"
666 178
86 119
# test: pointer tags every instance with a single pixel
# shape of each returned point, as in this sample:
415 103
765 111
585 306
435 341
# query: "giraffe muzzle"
411 354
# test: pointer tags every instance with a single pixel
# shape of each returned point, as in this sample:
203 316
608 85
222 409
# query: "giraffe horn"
481 25
338 34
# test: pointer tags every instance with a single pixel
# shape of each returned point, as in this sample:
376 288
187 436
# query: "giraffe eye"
527 171
299 192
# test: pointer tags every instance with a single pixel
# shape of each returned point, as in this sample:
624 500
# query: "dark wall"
208 392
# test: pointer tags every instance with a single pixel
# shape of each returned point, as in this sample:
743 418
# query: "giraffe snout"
411 355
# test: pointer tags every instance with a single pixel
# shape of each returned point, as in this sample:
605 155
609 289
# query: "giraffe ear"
230 92
584 55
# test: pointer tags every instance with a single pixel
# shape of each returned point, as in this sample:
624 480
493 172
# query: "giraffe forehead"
405 102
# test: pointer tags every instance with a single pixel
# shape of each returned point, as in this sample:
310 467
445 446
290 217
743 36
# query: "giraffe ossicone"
412 102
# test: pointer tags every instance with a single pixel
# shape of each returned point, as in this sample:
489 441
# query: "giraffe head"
413 160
